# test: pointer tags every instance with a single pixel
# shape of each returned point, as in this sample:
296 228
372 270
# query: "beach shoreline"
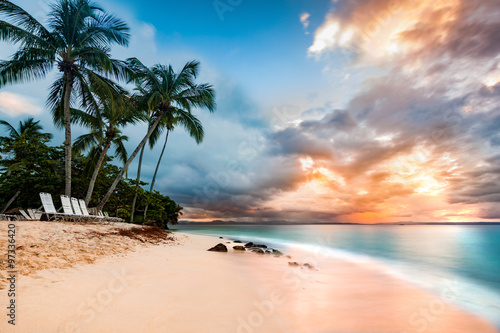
181 287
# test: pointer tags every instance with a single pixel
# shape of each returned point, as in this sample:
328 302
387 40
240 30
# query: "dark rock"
293 263
276 252
221 237
238 241
257 250
260 245
249 244
269 251
239 248
228 242
219 248
311 267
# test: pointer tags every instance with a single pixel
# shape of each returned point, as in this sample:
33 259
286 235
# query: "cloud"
384 30
14 105
411 153
491 213
416 142
304 19
376 27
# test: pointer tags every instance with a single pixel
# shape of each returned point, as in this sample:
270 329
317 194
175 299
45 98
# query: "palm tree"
152 140
27 131
191 124
167 121
77 41
105 122
162 91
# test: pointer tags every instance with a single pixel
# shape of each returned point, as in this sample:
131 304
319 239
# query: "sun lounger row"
31 215
73 210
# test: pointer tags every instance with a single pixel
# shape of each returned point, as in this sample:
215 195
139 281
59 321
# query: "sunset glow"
389 30
412 161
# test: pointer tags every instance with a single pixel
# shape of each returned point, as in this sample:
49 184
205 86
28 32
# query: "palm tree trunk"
154 176
127 164
97 169
132 210
67 131
11 201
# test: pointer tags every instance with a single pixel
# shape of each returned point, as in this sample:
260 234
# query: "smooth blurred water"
467 258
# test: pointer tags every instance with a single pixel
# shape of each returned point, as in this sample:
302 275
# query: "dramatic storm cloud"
419 141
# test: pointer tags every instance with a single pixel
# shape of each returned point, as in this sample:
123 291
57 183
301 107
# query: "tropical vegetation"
89 92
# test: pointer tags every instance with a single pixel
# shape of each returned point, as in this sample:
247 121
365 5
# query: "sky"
328 111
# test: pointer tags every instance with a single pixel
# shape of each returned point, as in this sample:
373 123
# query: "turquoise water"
462 259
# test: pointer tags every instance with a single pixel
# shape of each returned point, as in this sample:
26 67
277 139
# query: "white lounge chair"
9 217
34 214
68 209
85 211
109 218
104 217
115 219
26 216
50 210
77 210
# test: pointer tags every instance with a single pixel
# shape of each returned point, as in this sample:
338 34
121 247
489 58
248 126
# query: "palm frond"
191 123
14 34
22 70
12 131
109 29
23 19
121 151
86 141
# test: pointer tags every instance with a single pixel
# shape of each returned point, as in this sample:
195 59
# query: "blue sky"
327 110
261 45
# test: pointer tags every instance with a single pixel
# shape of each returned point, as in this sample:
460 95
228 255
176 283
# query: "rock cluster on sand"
256 248
276 252
307 265
262 249
218 248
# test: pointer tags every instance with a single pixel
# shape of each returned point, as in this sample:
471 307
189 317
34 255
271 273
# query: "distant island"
235 223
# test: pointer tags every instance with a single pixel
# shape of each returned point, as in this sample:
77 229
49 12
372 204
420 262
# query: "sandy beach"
114 283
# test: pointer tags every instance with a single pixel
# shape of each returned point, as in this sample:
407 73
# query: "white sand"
184 288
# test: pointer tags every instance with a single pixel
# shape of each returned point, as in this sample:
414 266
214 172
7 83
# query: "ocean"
463 260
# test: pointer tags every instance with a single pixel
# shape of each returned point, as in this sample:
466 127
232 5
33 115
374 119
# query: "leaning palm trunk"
97 169
154 176
10 201
67 132
131 158
138 179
